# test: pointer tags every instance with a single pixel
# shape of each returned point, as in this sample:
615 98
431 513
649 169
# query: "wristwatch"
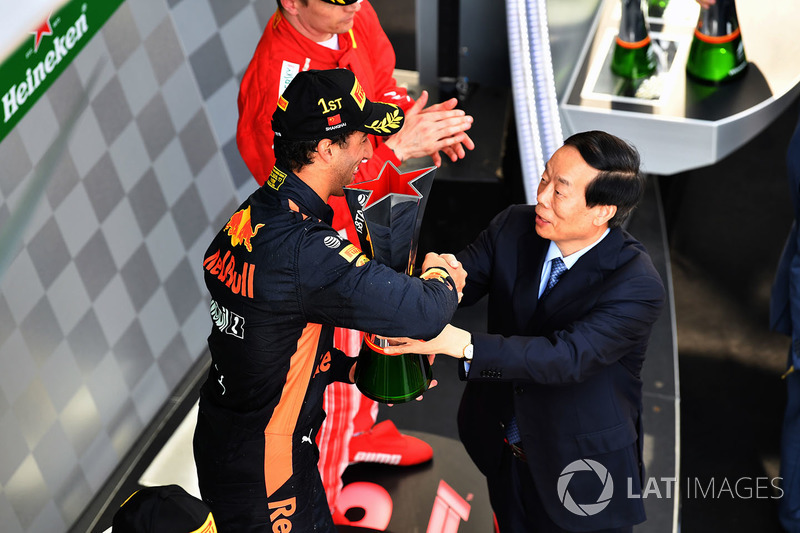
467 353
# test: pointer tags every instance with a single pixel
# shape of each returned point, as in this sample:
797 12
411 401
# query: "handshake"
452 340
449 263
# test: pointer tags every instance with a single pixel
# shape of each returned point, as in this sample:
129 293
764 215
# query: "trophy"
387 213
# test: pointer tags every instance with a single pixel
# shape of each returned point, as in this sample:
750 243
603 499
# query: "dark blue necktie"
557 267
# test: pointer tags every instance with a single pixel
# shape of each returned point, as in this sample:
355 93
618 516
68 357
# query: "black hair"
297 154
619 180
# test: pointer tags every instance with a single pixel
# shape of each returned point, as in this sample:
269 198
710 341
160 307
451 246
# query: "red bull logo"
240 229
224 267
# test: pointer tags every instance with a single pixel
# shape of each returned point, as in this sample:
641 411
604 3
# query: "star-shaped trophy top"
390 181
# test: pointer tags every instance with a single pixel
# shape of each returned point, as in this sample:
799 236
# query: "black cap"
320 103
341 2
163 509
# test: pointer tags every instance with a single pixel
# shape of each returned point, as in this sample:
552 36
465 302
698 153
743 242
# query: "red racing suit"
280 278
281 53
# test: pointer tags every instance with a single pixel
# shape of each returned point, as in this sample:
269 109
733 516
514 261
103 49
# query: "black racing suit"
280 279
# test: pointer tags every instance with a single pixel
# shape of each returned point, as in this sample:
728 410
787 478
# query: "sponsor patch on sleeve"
332 242
437 274
350 252
362 260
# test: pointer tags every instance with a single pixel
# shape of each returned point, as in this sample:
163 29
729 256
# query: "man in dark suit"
785 318
551 413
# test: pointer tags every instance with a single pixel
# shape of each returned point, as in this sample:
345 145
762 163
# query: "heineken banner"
27 72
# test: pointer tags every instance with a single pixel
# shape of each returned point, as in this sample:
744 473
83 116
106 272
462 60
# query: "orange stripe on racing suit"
279 430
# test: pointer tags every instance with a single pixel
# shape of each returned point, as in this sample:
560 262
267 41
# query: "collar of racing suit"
295 195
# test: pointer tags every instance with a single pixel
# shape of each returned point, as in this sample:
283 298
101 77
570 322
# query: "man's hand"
451 265
352 375
451 341
456 151
429 131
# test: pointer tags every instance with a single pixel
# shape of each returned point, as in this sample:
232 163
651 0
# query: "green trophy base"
391 378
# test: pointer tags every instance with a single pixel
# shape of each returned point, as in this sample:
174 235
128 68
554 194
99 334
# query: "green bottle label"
391 378
34 66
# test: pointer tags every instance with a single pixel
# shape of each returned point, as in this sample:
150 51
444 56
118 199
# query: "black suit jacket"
569 367
784 309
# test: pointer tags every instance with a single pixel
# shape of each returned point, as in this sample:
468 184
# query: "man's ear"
324 150
603 213
289 6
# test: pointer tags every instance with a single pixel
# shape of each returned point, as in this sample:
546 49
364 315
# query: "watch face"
468 351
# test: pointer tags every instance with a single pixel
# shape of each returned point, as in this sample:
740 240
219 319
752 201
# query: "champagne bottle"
633 57
656 8
717 53
391 379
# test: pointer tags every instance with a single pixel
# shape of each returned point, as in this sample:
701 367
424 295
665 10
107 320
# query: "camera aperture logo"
585 509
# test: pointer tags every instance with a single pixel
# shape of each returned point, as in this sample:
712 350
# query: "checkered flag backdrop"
102 307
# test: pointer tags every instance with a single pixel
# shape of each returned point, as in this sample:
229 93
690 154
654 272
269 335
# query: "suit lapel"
531 250
574 284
